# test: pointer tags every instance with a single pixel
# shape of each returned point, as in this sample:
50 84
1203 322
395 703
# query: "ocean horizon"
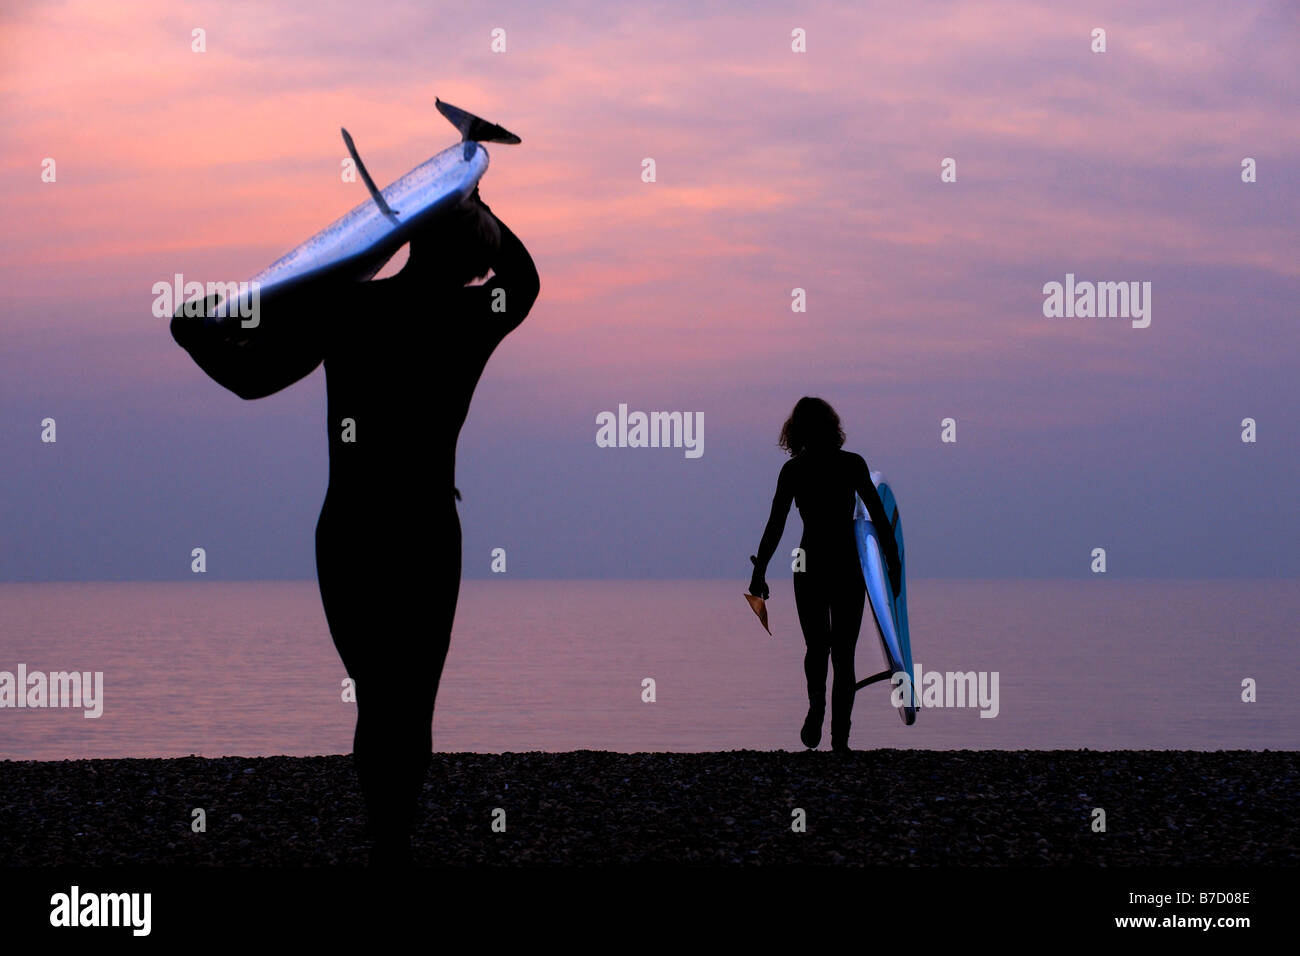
220 668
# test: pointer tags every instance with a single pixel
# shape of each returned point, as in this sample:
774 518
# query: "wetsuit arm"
507 297
866 489
255 362
775 523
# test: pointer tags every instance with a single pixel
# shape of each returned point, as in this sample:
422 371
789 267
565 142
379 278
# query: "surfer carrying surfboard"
829 592
402 358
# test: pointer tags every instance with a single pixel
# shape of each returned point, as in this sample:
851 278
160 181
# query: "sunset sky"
775 170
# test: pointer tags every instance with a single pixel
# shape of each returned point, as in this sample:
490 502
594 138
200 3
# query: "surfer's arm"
509 295
252 363
781 502
866 490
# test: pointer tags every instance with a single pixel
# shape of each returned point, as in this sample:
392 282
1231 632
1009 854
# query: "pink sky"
775 170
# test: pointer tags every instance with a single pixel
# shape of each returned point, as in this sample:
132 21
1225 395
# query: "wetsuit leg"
390 618
847 606
815 620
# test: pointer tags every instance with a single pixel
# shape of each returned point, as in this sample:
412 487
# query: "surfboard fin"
375 194
473 128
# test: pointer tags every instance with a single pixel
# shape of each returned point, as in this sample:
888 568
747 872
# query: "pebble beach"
737 808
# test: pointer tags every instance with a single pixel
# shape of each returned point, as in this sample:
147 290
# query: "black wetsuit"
402 359
830 593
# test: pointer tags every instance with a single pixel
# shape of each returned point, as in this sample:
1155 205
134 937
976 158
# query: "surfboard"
357 245
887 608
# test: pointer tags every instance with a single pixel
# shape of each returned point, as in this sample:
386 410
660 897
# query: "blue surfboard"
887 608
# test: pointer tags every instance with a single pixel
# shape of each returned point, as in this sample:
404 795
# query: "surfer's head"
457 249
812 426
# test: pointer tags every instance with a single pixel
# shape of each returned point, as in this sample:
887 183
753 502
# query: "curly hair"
812 425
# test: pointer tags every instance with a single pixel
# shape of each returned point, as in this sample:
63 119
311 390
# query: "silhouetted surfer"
830 594
402 357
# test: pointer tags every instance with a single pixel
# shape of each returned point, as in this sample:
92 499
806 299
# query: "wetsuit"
830 594
401 359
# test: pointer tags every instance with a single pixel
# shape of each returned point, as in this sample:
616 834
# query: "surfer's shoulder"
852 456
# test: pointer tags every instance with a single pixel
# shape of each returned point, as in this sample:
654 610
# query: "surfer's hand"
757 583
474 219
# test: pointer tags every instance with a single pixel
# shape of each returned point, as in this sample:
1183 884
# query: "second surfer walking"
830 593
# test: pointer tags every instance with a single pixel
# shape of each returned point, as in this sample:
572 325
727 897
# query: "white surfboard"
357 245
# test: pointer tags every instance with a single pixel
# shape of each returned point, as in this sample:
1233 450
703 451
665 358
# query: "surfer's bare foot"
811 734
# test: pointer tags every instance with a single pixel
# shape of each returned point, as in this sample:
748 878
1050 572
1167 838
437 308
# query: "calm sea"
248 668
